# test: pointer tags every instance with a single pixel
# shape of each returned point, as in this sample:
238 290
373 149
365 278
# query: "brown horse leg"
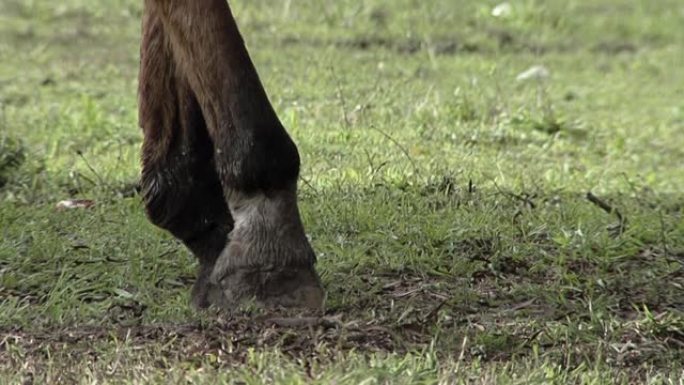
268 257
181 190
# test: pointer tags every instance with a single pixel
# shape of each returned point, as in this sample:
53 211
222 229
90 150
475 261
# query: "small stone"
70 204
502 10
537 72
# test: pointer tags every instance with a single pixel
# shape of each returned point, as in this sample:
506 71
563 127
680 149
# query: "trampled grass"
447 201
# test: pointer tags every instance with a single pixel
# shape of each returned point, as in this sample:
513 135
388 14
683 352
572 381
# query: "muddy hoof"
289 287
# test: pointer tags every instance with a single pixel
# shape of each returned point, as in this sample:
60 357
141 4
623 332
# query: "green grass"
446 200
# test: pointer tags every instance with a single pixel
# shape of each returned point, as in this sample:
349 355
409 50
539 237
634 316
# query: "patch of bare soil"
486 315
400 315
226 339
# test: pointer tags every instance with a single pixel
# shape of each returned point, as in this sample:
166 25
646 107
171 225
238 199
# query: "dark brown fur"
212 144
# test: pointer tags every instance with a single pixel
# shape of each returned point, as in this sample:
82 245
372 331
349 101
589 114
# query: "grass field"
447 201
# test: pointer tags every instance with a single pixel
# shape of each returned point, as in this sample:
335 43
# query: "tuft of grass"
12 155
